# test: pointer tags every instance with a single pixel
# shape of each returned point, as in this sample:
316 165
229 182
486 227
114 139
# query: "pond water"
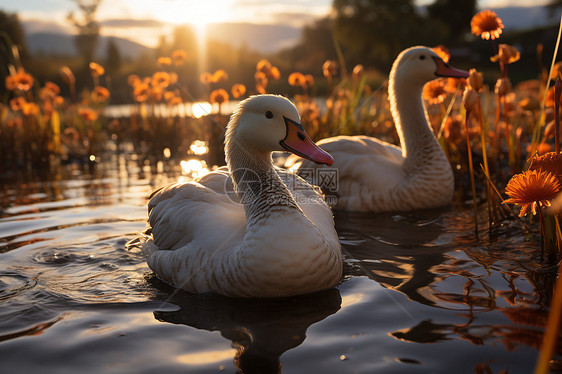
419 295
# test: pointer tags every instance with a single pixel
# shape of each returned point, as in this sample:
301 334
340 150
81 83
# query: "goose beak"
298 142
446 70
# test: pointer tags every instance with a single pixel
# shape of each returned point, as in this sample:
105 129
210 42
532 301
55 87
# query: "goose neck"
411 121
257 182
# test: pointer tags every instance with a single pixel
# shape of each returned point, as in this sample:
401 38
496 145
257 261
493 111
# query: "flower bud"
475 80
506 54
503 86
470 99
358 71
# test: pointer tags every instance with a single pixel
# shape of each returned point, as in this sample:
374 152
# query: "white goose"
265 240
377 176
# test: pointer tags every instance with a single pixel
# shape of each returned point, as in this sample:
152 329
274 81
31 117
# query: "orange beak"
298 142
446 70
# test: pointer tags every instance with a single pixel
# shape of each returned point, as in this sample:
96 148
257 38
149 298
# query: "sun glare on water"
194 12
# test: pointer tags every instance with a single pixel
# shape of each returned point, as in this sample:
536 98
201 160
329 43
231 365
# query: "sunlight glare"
200 109
194 168
208 357
198 147
194 12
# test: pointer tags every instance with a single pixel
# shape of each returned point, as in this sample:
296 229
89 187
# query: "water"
420 294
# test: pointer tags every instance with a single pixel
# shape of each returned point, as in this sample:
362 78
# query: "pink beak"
298 142
446 70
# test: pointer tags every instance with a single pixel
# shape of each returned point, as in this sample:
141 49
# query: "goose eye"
422 57
268 115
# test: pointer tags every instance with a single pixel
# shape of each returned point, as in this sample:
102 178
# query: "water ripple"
13 283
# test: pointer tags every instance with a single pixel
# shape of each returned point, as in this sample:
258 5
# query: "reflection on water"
260 330
419 293
432 257
396 250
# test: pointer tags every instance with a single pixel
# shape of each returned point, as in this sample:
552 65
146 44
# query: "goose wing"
358 159
181 213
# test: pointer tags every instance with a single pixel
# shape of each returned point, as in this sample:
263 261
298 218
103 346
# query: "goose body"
377 176
248 229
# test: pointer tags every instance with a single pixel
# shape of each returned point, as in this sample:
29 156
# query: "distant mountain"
258 37
63 44
523 18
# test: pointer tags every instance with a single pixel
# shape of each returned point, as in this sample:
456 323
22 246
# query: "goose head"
419 65
262 124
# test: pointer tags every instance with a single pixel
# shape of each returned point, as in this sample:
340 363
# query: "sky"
145 20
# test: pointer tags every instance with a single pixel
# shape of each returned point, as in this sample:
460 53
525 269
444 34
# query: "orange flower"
19 81
442 52
297 79
160 79
532 189
140 92
434 92
133 80
206 78
17 103
329 69
452 85
274 73
179 56
506 54
52 87
87 114
164 61
550 162
487 25
96 69
220 76
46 94
264 66
100 94
238 90
219 96
24 81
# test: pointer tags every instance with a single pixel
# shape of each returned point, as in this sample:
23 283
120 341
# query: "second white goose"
377 176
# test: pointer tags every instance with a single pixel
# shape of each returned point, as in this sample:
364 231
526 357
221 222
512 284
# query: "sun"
194 12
